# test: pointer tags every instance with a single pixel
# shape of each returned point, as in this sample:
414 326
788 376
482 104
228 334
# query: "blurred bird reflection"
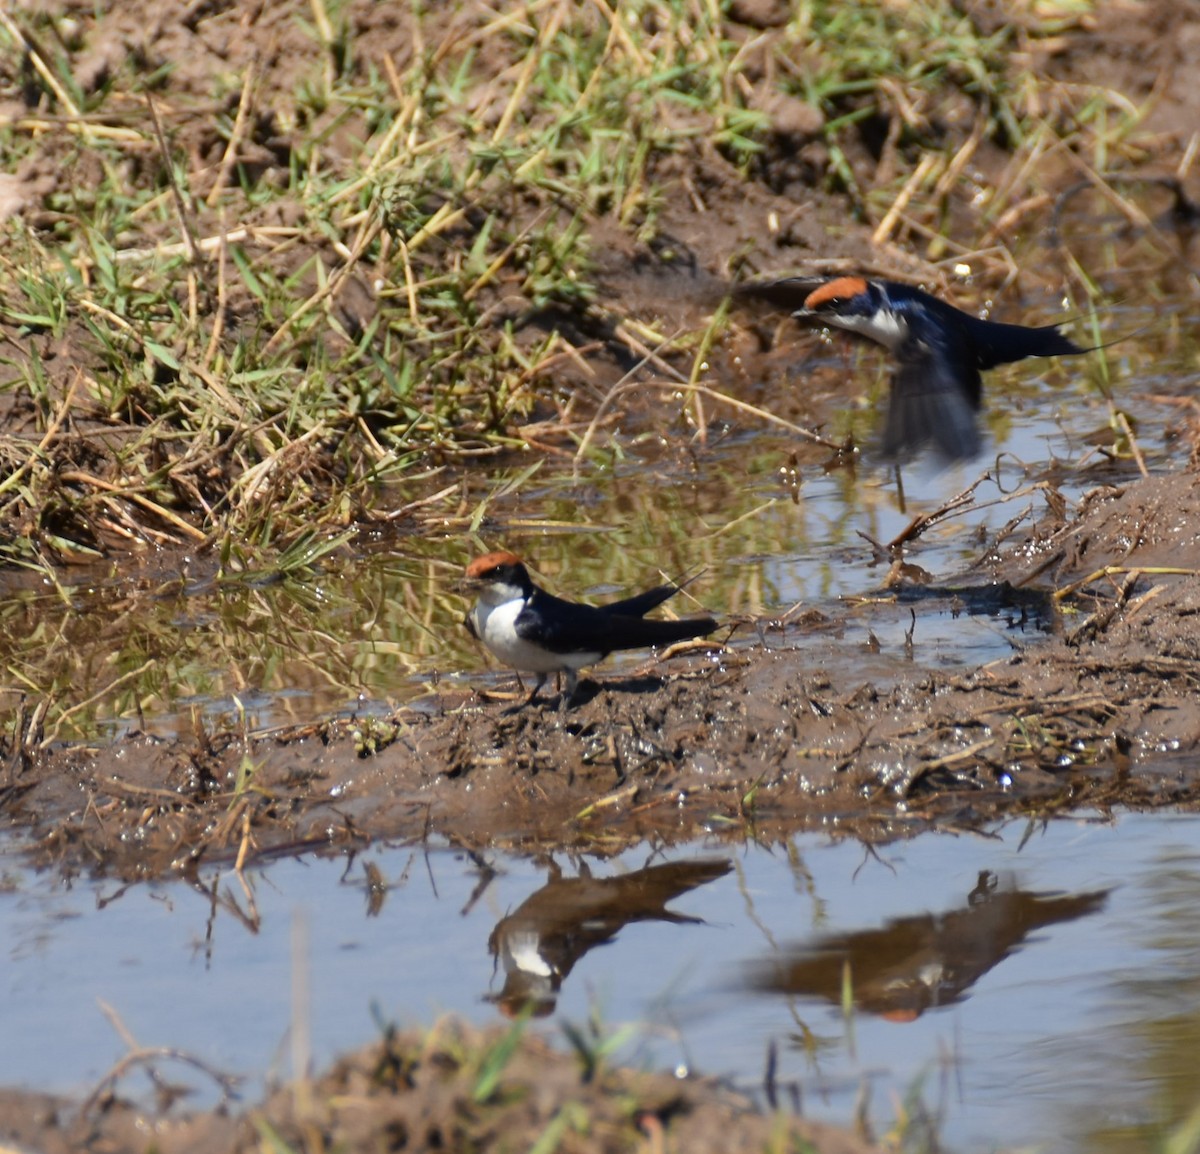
539 943
909 965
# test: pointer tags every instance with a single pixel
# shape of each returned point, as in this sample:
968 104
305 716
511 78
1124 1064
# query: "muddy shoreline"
1097 707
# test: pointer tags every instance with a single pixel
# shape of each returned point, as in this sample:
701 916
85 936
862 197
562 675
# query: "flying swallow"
533 631
939 353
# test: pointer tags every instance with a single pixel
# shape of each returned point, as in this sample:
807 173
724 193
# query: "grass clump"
272 285
260 314
255 270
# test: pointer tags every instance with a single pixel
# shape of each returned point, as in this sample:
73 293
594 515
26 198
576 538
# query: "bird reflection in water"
912 964
539 943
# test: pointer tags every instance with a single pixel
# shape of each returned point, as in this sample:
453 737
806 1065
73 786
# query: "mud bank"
454 1088
774 731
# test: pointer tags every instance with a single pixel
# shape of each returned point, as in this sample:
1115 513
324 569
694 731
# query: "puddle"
164 646
1056 967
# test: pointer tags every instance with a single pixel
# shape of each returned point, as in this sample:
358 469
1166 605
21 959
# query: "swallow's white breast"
496 626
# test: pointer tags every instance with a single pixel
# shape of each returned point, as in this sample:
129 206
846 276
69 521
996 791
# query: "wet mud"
770 727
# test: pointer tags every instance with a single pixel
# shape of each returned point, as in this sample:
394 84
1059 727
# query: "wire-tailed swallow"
939 351
533 631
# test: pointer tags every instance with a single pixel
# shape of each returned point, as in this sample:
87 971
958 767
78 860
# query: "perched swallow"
533 631
939 350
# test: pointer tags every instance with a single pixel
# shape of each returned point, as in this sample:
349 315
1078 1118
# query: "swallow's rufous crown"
482 566
841 289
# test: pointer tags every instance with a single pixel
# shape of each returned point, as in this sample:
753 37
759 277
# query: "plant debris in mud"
452 1088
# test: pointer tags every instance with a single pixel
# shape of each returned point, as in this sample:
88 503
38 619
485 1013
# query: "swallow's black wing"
642 603
568 627
561 626
789 293
934 400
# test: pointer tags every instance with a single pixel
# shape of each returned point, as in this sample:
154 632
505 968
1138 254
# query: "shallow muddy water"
1037 984
771 521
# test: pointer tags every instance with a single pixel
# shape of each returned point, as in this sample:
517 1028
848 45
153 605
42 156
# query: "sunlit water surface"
1060 967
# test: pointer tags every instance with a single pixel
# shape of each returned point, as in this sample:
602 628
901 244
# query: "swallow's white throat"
885 327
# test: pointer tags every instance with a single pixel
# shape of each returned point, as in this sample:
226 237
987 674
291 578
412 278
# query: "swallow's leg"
567 699
541 680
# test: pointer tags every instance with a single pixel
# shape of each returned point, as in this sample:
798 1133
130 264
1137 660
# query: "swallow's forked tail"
1001 344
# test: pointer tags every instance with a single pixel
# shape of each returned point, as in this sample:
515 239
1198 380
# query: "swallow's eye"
828 305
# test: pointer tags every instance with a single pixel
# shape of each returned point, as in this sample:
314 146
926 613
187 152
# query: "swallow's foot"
528 701
521 706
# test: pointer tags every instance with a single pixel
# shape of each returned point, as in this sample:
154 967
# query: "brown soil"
744 738
421 1093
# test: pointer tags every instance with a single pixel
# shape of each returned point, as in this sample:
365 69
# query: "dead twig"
923 521
181 209
144 1056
